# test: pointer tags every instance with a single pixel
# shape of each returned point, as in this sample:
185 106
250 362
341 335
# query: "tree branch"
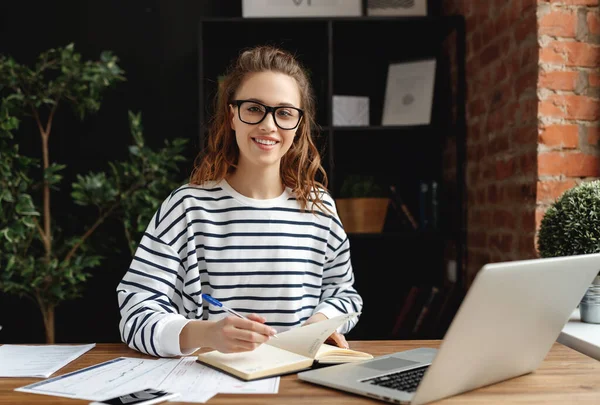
40 230
99 221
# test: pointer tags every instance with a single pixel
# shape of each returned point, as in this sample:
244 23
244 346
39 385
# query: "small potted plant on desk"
362 204
571 226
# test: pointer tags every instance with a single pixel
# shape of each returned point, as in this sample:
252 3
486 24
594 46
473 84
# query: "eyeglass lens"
253 113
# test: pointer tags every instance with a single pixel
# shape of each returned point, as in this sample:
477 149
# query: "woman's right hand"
232 334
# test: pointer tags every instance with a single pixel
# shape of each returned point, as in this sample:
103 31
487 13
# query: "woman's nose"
268 124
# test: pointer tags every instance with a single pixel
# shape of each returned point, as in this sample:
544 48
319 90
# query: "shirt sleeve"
150 298
338 295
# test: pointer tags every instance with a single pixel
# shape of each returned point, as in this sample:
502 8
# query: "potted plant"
42 257
571 226
362 204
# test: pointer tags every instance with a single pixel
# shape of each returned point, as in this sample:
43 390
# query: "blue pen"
219 304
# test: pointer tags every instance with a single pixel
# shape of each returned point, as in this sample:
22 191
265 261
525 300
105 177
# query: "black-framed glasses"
252 112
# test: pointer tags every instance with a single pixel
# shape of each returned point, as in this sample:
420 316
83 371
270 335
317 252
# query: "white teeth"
265 141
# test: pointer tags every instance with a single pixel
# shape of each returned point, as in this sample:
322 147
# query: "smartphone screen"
144 397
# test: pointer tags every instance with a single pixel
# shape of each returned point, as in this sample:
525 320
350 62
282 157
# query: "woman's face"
263 145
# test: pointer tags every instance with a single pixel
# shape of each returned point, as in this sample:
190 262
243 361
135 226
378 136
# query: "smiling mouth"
265 142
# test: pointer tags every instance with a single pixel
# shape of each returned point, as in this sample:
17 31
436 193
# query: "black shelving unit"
350 56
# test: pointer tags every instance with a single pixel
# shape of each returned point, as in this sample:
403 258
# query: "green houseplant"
40 258
362 204
571 226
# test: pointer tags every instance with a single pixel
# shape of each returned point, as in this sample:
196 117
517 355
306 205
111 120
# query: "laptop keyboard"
402 381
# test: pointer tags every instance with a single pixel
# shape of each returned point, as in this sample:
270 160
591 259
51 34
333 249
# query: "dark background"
157 44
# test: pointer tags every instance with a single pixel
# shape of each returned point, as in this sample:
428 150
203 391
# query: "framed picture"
301 8
397 7
350 111
409 93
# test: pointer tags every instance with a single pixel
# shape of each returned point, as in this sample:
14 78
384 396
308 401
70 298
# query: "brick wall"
568 89
532 116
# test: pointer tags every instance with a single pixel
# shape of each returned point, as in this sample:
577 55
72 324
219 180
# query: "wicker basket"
362 215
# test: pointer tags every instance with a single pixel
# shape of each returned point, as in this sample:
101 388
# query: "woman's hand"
233 334
336 338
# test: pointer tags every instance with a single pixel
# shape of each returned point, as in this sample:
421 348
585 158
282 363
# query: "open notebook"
294 350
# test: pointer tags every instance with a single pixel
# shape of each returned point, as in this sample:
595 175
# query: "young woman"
253 228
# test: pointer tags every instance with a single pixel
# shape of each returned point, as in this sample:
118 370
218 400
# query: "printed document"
37 361
193 381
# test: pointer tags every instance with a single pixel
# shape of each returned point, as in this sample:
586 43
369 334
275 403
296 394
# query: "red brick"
504 169
570 107
594 79
564 136
527 246
488 55
576 2
528 219
568 164
593 135
558 23
570 54
554 80
524 29
527 164
526 81
539 215
593 22
549 191
502 241
526 135
504 219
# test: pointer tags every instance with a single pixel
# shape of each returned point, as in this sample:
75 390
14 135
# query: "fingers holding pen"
234 334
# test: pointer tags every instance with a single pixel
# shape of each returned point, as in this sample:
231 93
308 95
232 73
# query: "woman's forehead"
271 88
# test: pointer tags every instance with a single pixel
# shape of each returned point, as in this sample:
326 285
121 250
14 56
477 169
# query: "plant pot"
362 215
589 307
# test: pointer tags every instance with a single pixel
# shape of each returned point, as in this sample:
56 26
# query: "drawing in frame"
397 8
409 93
301 8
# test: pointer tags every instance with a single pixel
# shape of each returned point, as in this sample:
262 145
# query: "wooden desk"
565 377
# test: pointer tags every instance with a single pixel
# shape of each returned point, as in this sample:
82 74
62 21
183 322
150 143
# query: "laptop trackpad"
389 363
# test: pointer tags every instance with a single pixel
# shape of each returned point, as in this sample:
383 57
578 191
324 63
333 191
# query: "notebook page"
262 358
306 340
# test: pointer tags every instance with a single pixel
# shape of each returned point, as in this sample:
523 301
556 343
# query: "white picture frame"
413 8
409 93
350 111
301 8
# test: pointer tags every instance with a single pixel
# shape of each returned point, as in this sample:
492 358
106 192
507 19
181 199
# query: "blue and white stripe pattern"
255 256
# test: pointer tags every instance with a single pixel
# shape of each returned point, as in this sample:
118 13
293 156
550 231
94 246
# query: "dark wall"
156 42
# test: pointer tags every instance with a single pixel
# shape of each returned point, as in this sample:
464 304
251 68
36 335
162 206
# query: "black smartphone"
144 397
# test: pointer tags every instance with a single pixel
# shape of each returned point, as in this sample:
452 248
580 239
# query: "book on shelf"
426 312
406 218
448 308
429 204
409 313
294 350
409 301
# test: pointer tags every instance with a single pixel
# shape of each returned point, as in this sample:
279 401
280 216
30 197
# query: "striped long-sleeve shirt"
256 256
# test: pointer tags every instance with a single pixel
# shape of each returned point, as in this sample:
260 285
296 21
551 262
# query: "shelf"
417 234
380 128
351 56
452 19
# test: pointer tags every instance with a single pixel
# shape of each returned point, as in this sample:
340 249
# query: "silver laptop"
508 321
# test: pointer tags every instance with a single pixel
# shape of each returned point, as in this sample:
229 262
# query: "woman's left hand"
336 338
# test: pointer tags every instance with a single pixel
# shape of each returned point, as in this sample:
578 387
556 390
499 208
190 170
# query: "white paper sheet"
195 382
37 361
198 383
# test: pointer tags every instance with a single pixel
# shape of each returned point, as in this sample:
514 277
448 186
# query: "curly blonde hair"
302 162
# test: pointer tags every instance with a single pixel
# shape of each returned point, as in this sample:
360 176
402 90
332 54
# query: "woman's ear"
231 117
